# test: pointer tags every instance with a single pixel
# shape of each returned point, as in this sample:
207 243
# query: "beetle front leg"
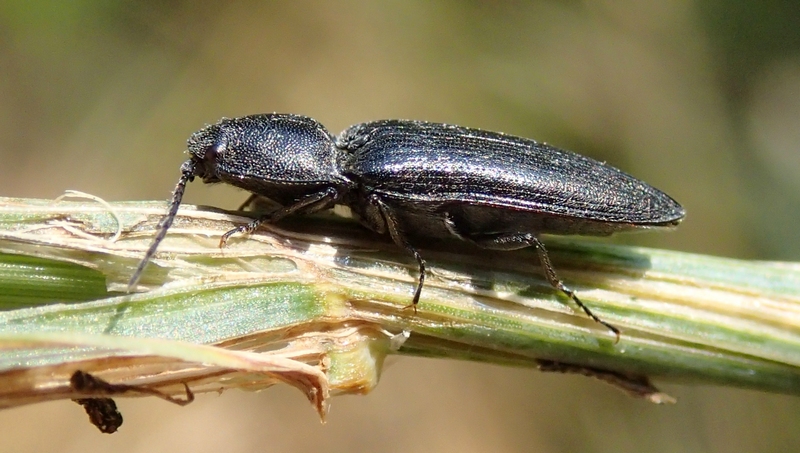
247 202
309 204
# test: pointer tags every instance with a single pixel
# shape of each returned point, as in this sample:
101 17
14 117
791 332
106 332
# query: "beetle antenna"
187 175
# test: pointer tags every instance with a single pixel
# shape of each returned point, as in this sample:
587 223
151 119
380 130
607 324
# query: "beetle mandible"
418 179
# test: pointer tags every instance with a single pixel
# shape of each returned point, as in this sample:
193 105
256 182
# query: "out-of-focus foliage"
701 99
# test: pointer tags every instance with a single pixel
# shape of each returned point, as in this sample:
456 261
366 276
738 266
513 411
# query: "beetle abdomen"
437 163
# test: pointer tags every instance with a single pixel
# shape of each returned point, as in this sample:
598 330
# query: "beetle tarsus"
245 229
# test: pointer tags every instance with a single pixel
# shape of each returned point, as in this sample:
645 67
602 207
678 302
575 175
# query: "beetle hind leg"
555 282
514 241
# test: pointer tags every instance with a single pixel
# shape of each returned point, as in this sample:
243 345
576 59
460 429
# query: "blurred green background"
699 98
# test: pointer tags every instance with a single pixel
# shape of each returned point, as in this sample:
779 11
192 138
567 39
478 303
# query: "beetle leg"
258 203
514 241
550 273
400 240
247 202
311 203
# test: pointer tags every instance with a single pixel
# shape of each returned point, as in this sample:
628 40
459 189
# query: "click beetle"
414 179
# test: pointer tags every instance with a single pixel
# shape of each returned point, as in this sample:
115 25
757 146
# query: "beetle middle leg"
514 241
307 205
390 220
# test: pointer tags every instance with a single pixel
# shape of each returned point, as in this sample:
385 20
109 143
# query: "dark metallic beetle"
416 179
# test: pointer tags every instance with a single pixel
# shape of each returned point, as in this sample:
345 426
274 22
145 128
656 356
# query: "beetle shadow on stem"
490 275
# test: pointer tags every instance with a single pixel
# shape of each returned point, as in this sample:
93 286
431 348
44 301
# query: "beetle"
415 179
